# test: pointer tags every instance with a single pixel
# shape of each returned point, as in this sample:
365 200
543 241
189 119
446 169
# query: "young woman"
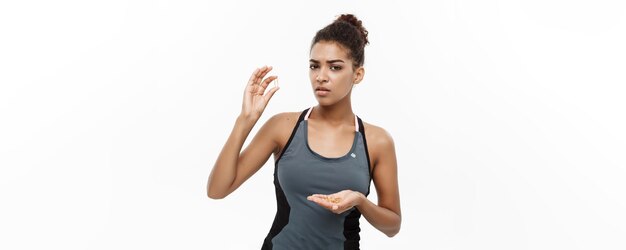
325 156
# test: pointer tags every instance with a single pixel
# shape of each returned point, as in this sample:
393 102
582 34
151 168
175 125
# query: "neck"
334 114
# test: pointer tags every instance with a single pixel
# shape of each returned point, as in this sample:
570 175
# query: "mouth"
321 91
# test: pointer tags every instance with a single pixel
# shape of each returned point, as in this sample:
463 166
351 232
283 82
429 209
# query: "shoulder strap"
367 154
304 115
293 133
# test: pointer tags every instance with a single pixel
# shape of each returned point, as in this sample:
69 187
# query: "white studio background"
508 119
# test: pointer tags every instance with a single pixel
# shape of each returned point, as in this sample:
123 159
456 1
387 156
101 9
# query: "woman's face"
331 72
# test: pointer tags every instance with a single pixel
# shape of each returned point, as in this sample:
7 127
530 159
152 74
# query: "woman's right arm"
231 168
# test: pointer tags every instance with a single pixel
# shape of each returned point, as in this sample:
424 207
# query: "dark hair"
349 32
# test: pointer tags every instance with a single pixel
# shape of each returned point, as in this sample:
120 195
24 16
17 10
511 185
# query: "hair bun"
349 18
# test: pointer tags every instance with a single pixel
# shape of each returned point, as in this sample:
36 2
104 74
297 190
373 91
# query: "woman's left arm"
385 216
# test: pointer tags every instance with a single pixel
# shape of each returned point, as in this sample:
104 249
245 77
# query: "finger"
340 208
320 202
257 75
316 199
329 199
254 76
267 81
262 73
320 195
335 208
270 93
332 198
264 84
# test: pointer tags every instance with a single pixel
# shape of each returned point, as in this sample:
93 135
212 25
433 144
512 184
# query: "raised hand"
255 99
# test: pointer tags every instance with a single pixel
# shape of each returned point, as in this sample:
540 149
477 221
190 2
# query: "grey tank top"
300 172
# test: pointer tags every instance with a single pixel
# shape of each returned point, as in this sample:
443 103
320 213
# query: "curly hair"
349 32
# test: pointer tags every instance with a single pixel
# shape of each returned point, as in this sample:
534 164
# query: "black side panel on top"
351 224
351 230
282 207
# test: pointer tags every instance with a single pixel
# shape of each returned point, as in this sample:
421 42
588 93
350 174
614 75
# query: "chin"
325 102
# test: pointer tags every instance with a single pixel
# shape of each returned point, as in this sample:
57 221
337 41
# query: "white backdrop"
508 119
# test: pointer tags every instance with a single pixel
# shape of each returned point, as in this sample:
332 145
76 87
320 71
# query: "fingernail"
335 207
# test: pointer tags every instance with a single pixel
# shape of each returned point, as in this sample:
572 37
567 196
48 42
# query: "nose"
321 76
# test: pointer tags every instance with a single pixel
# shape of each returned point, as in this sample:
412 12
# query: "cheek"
345 81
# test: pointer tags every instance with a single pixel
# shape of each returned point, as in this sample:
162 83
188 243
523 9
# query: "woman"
325 156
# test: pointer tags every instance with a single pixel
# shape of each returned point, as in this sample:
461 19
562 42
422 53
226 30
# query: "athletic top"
300 172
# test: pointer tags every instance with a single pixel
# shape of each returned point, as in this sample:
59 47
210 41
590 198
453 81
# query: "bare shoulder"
283 120
379 142
282 125
377 136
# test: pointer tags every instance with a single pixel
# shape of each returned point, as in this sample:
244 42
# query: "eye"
336 67
312 66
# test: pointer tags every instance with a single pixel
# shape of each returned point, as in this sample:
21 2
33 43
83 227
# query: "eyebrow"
328 61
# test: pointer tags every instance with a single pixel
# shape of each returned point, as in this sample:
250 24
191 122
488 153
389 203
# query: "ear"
358 74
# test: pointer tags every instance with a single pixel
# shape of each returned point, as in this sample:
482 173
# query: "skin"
331 126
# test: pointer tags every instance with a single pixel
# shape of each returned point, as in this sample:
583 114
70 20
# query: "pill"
332 199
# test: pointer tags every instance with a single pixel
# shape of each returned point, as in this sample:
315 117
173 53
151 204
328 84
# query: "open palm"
338 202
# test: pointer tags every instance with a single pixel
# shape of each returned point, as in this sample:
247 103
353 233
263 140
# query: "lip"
322 89
322 92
